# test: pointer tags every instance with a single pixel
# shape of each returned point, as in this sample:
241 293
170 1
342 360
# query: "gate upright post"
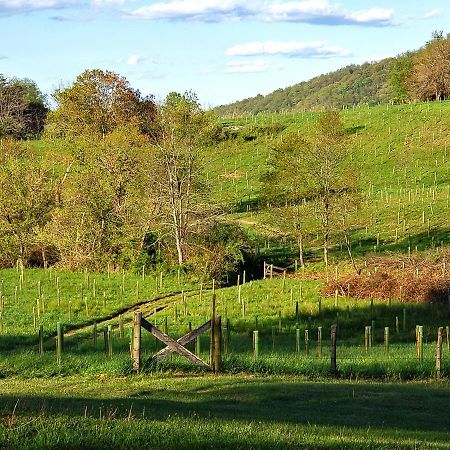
137 341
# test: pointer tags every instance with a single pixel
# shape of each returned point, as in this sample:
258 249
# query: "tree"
104 215
27 199
283 184
430 76
316 170
399 75
177 167
22 108
96 104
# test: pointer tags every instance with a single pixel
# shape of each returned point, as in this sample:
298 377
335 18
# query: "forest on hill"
352 85
417 75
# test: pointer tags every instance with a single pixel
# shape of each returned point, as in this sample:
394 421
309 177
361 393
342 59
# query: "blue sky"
224 50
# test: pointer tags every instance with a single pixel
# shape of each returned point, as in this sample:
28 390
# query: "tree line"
119 182
423 75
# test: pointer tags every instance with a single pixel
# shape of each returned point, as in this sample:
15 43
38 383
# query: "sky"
223 50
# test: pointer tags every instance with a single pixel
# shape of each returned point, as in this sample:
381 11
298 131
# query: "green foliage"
224 248
352 85
104 213
400 73
23 108
96 104
27 199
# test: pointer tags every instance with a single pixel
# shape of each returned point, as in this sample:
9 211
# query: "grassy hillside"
352 85
89 398
401 151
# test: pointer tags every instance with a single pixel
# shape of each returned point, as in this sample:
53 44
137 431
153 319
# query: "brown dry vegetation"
419 278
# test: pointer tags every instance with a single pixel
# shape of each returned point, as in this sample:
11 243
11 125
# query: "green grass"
85 297
266 305
402 152
221 412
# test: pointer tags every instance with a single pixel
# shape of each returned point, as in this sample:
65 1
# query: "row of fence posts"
219 341
59 338
297 344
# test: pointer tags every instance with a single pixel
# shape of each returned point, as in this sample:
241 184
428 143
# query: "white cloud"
323 13
251 66
9 7
306 11
102 3
433 13
302 49
201 10
134 60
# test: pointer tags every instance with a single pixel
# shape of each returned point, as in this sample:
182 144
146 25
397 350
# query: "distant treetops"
425 74
23 108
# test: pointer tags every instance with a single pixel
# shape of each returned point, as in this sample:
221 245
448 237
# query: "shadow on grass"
404 407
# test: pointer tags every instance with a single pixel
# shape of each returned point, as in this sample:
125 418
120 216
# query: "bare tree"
178 166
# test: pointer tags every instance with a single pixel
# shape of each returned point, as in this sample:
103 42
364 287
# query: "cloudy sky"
224 50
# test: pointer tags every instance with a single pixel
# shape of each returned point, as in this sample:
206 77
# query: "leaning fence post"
333 348
439 352
137 318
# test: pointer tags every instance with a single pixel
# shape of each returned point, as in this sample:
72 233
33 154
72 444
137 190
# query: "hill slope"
351 85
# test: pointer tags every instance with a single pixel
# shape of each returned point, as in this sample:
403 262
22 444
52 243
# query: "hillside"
401 151
351 85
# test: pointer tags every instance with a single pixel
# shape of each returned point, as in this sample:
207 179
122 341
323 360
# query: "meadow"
280 391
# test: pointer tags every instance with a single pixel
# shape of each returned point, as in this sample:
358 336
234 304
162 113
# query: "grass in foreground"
221 412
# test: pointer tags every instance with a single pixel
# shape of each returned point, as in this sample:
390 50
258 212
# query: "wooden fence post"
59 342
447 337
386 340
333 348
319 342
137 317
439 352
212 341
307 342
420 343
110 346
41 339
94 332
366 338
255 344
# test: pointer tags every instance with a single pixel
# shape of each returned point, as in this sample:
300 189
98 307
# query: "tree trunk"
349 250
300 249
180 251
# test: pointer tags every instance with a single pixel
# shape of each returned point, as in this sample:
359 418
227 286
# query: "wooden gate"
179 345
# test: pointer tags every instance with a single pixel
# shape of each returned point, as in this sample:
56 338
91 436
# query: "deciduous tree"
97 103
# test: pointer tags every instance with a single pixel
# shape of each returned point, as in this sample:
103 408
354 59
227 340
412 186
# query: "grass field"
285 397
221 412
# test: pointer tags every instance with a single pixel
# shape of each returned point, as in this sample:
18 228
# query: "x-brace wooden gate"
179 345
